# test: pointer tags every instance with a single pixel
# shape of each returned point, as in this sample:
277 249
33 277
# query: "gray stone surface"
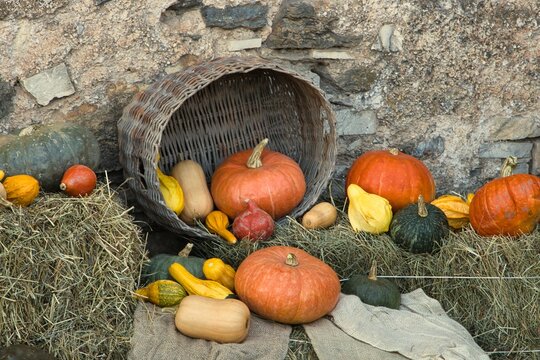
49 84
535 164
298 25
251 16
505 149
237 45
352 122
185 4
515 127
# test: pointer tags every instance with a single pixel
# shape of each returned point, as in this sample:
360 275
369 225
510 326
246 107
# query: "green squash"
419 228
47 151
372 290
158 266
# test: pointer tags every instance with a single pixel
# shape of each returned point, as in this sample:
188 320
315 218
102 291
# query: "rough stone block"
535 164
351 122
252 16
298 25
237 45
389 39
7 93
515 127
504 149
49 84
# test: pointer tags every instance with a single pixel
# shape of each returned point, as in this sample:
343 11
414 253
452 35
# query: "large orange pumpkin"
397 177
272 180
287 285
508 205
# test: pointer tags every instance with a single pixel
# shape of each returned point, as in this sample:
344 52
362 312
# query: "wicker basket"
215 109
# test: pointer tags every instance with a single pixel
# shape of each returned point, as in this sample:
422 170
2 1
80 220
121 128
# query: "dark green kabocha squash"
47 151
158 266
419 228
372 290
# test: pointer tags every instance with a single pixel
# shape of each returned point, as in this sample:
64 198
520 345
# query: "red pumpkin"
78 180
272 180
287 285
397 177
508 205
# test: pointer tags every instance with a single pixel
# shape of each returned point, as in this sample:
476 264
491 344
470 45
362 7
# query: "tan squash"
197 199
21 189
320 216
219 320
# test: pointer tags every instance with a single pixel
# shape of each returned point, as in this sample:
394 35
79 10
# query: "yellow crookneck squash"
368 212
215 269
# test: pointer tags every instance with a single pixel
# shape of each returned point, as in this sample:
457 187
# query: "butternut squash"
320 216
197 199
219 320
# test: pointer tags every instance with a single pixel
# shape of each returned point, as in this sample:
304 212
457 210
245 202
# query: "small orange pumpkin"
78 180
397 177
508 205
287 285
272 180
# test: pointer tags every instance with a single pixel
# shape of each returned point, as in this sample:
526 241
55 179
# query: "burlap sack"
420 329
156 338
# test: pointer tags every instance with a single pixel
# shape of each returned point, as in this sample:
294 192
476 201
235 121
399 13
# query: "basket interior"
238 110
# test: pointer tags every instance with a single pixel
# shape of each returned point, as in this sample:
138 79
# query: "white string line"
460 277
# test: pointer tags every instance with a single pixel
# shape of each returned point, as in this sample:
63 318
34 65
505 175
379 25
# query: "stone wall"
455 83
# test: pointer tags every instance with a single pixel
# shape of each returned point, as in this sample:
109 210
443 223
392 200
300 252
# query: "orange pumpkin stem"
254 160
291 260
373 271
186 250
422 210
508 166
393 151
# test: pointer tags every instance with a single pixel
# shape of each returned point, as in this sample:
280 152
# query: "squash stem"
422 210
393 151
254 160
291 260
508 166
186 250
373 271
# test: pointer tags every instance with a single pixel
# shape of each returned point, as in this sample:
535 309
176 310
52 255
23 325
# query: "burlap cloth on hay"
420 329
156 338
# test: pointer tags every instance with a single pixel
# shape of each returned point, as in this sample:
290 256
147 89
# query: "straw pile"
490 285
68 267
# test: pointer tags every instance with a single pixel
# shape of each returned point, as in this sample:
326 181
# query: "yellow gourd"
217 222
171 191
455 208
320 216
162 293
219 320
215 269
21 189
196 286
197 199
368 212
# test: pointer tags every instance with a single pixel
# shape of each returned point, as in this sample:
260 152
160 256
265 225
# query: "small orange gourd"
78 180
21 189
219 320
217 222
215 269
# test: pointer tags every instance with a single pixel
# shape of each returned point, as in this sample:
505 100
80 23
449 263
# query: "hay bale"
69 266
489 285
